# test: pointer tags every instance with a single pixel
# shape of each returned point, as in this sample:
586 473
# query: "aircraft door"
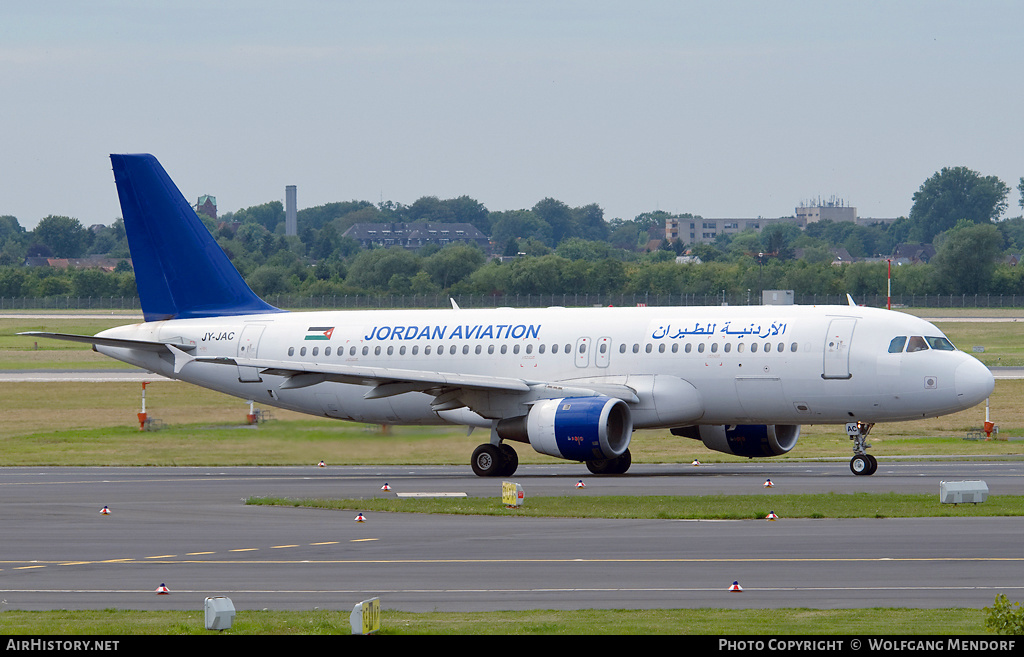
583 352
837 348
248 347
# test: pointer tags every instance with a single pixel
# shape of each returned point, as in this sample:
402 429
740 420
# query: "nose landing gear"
862 463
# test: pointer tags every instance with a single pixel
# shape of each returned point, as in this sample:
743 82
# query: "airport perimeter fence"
363 301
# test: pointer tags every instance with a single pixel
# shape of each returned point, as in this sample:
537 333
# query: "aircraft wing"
445 386
112 342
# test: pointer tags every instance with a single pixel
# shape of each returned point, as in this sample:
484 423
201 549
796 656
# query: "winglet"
455 306
180 271
849 299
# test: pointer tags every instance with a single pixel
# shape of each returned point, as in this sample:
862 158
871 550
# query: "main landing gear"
491 460
862 463
617 465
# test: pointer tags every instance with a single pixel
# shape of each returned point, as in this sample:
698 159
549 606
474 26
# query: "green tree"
375 268
951 195
453 263
965 257
65 236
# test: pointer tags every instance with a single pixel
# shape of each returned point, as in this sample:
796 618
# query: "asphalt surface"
188 528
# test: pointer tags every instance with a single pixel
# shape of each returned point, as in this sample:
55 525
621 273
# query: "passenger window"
490 348
648 348
792 347
688 347
302 352
622 348
675 347
366 350
529 348
451 350
376 351
327 351
728 347
479 348
391 351
700 348
753 347
426 350
504 348
714 347
291 351
515 349
352 351
636 348
916 343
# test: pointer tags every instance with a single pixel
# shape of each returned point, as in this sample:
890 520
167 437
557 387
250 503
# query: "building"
207 205
416 235
698 230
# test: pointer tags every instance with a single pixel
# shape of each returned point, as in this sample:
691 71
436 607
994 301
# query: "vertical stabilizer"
180 271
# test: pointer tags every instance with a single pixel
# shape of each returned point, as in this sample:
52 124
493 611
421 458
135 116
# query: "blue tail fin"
180 271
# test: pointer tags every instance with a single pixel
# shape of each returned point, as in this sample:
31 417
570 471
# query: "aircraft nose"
974 382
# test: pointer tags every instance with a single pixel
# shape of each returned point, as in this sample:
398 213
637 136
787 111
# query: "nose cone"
974 382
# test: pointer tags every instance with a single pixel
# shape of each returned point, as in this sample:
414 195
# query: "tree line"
558 249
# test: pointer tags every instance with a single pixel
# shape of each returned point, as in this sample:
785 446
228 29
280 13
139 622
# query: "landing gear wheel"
617 465
487 461
863 464
511 460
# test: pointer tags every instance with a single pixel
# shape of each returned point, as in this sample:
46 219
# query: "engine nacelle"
573 428
749 440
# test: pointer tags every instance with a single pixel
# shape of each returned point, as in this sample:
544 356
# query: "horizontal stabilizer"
112 342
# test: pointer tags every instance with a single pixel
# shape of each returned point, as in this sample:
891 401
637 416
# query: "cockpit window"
916 343
896 346
940 343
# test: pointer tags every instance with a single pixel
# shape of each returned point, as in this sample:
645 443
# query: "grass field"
780 622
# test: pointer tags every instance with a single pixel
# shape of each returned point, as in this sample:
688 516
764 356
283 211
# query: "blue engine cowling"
573 428
751 440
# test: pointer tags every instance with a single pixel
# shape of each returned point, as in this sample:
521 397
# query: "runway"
188 528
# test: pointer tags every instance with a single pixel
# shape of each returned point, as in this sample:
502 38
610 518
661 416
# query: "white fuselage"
749 365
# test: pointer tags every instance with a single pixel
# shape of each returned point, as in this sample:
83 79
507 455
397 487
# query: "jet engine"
573 428
749 440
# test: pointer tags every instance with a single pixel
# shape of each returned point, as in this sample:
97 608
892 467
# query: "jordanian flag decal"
319 332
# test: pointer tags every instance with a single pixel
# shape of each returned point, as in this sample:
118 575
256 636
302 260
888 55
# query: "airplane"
572 383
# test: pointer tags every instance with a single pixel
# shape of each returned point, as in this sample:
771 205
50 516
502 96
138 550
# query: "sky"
718 108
